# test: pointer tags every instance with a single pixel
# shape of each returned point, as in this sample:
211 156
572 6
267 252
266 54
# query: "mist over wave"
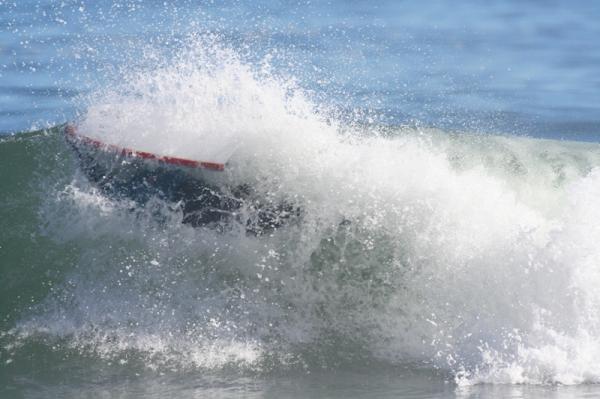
475 255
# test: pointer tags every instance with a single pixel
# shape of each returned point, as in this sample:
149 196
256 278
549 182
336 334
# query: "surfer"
191 185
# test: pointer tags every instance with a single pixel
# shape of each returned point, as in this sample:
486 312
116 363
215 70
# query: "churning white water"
476 255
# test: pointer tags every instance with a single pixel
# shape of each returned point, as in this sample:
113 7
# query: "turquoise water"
445 158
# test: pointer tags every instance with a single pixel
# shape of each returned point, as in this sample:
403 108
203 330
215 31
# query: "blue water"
527 68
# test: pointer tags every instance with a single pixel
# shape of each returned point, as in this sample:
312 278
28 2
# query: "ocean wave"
475 255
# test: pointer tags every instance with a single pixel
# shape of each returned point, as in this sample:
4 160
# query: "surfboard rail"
73 135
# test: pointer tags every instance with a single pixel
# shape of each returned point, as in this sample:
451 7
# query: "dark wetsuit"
202 204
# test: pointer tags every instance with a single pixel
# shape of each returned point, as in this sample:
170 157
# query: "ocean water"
445 158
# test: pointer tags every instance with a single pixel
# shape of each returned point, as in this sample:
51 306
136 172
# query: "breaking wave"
474 255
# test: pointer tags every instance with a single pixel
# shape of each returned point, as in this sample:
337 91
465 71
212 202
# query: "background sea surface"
444 155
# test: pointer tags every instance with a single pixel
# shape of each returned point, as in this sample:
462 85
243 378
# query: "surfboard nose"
76 137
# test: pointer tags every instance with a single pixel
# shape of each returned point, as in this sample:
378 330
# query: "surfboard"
83 141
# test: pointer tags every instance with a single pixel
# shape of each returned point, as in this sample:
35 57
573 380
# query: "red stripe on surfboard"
72 131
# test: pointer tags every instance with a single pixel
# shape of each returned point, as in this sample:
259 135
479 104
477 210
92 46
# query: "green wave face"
31 260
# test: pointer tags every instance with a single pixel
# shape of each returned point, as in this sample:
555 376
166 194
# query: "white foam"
203 105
